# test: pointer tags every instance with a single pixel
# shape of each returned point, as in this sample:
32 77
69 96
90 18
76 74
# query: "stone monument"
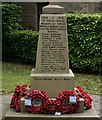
52 73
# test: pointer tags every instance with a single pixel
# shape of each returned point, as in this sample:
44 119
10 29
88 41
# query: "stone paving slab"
5 103
96 103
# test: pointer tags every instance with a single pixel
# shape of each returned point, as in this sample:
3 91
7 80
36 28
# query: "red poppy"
66 106
38 99
20 91
51 106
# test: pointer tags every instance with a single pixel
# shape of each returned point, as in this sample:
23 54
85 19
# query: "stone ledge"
52 9
87 115
70 74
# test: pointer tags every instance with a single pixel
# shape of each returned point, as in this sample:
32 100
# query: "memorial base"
52 84
87 115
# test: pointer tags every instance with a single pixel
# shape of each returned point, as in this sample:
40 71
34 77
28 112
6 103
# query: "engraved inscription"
50 78
53 46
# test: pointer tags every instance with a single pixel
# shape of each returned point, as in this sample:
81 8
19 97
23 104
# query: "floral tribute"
67 101
38 99
85 96
51 106
20 91
71 107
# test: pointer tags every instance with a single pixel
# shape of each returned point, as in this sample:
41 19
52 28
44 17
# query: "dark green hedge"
24 45
84 36
85 41
10 22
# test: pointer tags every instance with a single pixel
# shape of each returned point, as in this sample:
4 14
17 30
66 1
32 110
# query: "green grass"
14 74
90 83
17 74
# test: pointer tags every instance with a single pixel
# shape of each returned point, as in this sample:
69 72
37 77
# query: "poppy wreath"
85 96
72 107
51 106
36 106
20 91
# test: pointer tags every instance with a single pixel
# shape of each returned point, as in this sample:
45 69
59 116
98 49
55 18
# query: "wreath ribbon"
85 96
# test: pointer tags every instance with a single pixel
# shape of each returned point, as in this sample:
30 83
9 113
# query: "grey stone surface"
5 103
96 103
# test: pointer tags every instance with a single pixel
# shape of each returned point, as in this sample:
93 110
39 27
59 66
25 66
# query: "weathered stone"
52 84
52 9
52 53
52 73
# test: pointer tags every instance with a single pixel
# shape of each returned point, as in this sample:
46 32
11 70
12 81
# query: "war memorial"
52 93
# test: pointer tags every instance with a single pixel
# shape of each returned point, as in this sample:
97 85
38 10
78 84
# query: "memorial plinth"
52 84
52 72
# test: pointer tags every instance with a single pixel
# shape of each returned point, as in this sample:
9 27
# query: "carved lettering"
53 46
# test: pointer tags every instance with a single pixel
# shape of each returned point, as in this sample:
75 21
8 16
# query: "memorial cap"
53 9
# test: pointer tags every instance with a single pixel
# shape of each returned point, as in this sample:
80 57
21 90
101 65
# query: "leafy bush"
85 41
24 45
84 36
10 22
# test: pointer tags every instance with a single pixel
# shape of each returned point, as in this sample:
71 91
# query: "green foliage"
10 22
84 35
85 41
24 45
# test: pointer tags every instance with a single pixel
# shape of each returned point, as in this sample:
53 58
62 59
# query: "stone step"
87 115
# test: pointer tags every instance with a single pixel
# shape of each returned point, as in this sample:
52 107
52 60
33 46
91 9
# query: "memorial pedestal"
52 84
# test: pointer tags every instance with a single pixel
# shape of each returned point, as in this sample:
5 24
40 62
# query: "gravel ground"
6 100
